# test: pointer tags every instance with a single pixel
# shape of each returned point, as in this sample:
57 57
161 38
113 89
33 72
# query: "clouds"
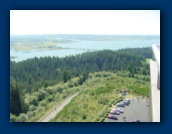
84 22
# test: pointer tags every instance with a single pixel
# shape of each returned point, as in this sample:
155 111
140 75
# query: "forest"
37 84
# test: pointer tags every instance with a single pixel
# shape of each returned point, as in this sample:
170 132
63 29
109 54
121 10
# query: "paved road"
53 113
137 109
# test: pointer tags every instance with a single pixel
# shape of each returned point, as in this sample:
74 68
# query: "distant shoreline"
13 57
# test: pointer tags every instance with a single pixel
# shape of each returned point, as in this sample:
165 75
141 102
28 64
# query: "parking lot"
137 109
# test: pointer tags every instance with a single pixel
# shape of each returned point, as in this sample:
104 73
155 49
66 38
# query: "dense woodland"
34 75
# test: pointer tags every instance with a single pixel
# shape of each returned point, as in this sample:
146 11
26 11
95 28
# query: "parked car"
126 100
115 112
120 104
136 120
119 110
112 117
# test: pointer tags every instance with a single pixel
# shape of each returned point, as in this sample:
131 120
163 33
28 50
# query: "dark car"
112 117
120 104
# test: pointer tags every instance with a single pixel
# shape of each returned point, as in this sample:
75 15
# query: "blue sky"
132 22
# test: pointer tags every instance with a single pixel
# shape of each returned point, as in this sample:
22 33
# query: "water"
112 45
31 54
83 46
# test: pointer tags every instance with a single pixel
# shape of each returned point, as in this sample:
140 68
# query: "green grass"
99 92
148 61
98 96
25 47
31 45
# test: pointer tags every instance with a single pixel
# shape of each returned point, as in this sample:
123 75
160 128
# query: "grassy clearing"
101 90
148 61
24 47
13 57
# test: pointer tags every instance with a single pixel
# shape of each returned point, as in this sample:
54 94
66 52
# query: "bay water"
82 46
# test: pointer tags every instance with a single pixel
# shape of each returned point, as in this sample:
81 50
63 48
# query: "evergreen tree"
15 100
66 76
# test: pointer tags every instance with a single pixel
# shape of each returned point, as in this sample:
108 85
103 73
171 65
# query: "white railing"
154 99
156 54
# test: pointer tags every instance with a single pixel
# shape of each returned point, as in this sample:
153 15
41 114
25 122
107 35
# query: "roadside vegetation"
37 105
100 92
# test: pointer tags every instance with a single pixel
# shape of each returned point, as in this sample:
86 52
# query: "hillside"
98 94
37 85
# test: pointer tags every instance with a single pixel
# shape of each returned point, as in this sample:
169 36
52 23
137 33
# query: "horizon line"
80 34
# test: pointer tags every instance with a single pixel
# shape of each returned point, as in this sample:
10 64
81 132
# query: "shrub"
102 119
42 95
50 91
85 105
57 96
22 118
59 89
84 116
64 96
90 76
42 103
103 101
50 98
106 74
32 107
73 112
12 118
98 75
76 83
33 100
29 114
70 85
40 109
118 100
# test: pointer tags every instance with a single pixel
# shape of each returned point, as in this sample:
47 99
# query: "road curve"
56 110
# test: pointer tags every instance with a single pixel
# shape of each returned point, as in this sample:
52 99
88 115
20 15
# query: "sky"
118 22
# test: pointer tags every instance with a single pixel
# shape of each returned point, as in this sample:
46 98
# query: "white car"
117 110
120 110
126 100
113 110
